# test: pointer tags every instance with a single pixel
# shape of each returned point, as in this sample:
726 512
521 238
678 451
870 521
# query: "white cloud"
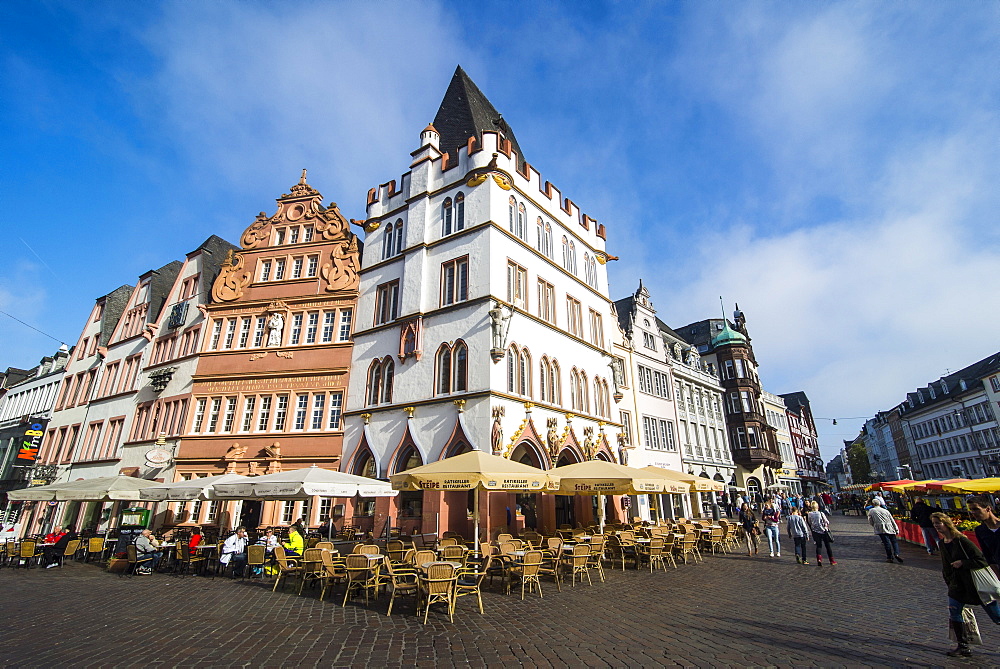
253 92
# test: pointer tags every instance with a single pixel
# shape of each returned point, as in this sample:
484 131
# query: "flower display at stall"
967 525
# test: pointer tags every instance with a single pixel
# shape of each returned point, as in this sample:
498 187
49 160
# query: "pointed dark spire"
465 112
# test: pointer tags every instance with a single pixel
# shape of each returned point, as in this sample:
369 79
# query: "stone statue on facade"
275 324
552 439
496 435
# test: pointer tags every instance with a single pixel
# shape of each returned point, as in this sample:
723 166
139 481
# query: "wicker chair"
395 549
256 558
438 585
186 560
71 548
623 550
335 571
689 546
27 552
448 541
596 558
454 553
470 582
95 546
403 580
527 571
324 545
286 566
653 553
363 575
423 557
312 567
576 563
134 561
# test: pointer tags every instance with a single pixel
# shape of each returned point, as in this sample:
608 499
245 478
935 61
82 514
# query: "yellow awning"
976 485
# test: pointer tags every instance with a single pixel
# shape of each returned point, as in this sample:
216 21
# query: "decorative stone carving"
552 439
589 445
496 435
235 452
232 279
275 324
341 273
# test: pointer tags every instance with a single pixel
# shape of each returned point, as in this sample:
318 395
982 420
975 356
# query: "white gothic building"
481 324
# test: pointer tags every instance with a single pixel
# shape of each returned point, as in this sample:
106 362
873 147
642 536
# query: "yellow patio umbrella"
976 485
475 469
599 477
699 483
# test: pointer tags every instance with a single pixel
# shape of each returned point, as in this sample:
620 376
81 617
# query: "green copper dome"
728 336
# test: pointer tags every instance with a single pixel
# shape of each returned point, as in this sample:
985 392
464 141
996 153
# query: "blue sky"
832 167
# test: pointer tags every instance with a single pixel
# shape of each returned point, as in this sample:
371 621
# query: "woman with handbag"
969 579
751 530
819 525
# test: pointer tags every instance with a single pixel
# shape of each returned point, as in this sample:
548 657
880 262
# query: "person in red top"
195 539
55 535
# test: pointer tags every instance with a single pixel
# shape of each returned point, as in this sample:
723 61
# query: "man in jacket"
146 551
234 550
988 531
921 514
886 529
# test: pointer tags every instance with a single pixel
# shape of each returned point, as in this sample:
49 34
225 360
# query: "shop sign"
158 457
31 441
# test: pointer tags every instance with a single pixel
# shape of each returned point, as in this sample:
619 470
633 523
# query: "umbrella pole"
475 514
600 511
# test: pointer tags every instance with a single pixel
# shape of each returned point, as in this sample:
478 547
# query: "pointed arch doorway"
527 506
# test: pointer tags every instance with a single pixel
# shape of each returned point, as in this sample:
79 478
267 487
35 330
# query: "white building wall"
489 244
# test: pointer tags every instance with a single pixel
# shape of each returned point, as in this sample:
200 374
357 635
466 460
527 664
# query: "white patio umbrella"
192 489
301 484
598 477
100 489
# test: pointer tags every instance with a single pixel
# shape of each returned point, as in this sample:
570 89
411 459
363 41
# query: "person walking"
959 557
798 531
988 530
886 529
819 525
771 518
750 528
921 514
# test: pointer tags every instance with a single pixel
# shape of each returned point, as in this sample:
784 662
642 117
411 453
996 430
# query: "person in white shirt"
234 551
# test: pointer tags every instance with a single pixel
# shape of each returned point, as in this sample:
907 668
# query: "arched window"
572 257
399 237
524 373
460 367
374 382
584 393
544 376
574 390
443 366
388 241
459 212
548 240
388 370
518 371
446 214
540 235
408 459
565 252
364 465
590 268
522 224
511 369
598 400
555 384
512 213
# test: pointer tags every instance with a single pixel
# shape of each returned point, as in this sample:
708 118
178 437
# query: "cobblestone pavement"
730 611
